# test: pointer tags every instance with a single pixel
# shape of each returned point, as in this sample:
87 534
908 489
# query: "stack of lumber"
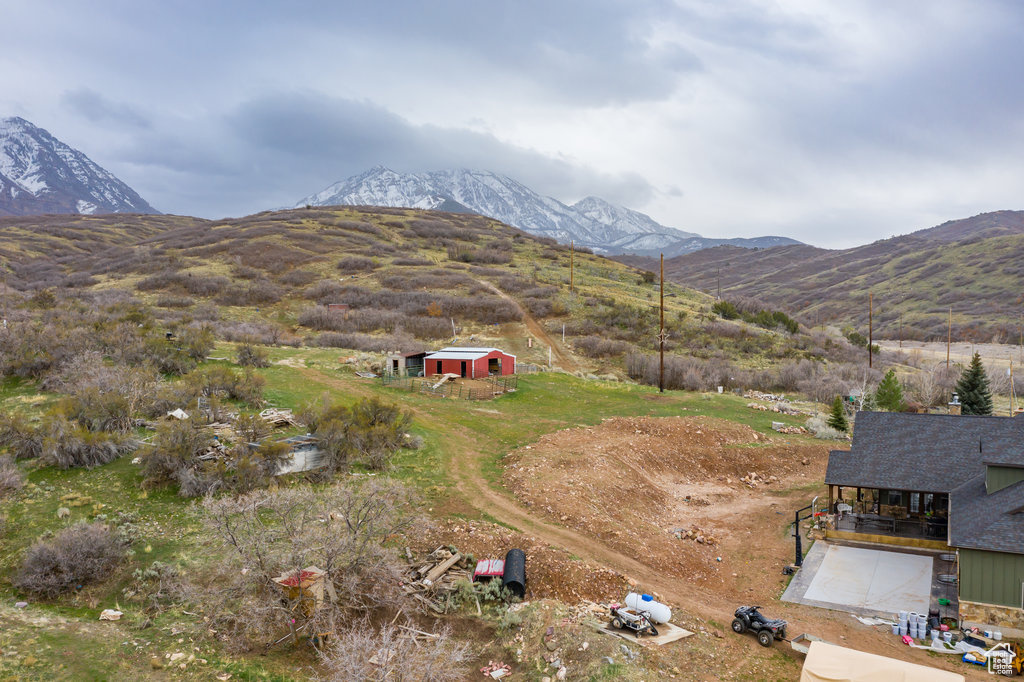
429 581
278 418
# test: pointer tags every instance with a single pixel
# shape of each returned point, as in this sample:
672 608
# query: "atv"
767 629
638 623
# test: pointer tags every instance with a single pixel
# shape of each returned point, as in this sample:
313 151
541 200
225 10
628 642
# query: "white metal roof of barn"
463 353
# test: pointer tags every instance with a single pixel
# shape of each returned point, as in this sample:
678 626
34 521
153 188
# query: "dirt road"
565 360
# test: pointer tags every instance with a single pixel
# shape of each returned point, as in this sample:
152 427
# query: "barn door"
463 369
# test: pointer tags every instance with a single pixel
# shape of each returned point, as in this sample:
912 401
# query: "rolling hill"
970 265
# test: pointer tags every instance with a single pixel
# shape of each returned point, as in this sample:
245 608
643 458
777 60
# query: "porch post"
830 510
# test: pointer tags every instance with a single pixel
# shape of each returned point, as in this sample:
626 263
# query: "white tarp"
830 663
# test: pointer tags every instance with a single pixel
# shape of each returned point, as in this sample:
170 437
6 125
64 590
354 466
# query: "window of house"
915 503
929 502
895 498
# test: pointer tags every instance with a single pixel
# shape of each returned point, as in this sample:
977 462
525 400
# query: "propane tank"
660 613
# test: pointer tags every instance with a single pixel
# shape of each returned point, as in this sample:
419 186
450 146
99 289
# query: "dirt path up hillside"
564 358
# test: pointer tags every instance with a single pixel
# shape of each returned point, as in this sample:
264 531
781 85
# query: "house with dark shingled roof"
944 481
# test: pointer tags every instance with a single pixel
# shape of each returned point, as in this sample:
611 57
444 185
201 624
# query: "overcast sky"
836 123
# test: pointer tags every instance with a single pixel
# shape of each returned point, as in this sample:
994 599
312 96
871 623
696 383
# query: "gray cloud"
826 122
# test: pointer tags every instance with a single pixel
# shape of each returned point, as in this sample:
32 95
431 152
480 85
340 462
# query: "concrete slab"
862 580
667 632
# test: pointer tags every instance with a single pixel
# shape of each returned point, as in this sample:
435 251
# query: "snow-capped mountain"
590 222
41 174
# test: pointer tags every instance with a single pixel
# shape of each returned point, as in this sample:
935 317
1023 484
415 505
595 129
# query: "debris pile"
430 582
794 430
496 670
696 534
780 408
753 479
279 418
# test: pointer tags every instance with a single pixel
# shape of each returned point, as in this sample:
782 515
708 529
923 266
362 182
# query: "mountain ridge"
591 222
39 174
970 266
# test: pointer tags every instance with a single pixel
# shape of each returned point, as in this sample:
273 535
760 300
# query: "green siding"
991 577
997 478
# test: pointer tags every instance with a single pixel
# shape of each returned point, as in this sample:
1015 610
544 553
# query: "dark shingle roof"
989 522
926 452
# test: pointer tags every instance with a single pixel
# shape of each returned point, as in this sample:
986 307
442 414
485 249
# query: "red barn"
469 363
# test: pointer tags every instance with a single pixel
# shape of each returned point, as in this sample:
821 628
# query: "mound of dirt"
638 484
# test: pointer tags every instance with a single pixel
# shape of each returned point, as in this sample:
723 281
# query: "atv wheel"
617 623
738 626
765 637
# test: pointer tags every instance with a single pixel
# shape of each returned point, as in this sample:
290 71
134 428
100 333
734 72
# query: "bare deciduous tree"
396 658
343 530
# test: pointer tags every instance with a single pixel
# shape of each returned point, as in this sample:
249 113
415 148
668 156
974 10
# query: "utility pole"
661 332
871 307
719 280
572 264
949 335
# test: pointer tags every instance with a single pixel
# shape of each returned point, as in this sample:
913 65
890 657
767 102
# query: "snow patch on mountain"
590 222
41 174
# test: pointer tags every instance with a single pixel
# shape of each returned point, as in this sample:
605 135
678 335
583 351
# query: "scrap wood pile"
279 418
222 430
794 430
431 581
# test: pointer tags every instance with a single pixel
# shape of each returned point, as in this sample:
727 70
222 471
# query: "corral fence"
478 389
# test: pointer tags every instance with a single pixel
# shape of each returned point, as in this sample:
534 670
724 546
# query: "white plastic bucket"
896 628
997 635
660 613
935 634
903 616
948 636
903 628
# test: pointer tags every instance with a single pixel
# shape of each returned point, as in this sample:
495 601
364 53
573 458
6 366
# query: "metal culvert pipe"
514 578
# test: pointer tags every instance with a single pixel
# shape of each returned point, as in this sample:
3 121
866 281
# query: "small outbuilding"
469 363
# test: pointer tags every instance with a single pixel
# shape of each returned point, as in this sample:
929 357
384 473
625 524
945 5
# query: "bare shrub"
325 291
410 261
11 477
175 450
265 333
170 301
258 292
68 445
78 555
252 427
681 372
441 659
932 384
356 264
103 397
322 318
298 278
342 529
401 342
250 355
369 432
21 439
598 347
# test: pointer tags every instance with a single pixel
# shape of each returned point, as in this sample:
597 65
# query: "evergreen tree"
889 395
837 418
972 387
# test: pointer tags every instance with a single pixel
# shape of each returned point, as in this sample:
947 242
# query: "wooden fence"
495 386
